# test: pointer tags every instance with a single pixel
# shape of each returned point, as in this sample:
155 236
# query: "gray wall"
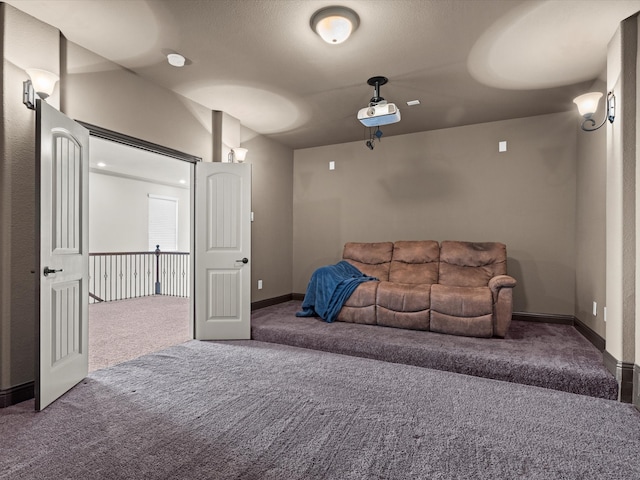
26 43
272 205
450 184
591 174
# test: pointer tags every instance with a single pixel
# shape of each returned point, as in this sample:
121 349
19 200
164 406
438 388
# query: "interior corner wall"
636 368
450 184
227 133
5 237
591 174
272 205
621 196
26 43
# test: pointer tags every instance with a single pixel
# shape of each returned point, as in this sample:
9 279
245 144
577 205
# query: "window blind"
163 223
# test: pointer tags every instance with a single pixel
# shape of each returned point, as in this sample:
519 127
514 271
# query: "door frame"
113 136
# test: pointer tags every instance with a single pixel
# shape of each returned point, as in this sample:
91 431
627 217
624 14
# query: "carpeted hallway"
126 329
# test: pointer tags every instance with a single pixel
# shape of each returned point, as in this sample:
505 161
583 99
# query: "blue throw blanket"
329 288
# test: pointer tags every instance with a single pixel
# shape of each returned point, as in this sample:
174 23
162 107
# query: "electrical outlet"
332 165
595 308
604 314
259 284
502 146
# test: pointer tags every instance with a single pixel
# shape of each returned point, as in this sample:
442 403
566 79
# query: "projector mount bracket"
376 82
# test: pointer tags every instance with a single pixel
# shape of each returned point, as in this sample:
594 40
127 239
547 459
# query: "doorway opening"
140 246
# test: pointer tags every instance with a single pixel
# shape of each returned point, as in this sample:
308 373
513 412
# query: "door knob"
48 270
244 260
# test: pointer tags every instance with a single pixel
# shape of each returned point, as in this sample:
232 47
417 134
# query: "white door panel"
222 292
63 156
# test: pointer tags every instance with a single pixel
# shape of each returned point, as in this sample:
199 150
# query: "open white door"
222 289
63 167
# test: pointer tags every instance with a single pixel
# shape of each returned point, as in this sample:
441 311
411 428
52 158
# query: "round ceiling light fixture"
176 60
335 24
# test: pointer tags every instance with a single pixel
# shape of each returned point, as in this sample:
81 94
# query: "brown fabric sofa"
459 288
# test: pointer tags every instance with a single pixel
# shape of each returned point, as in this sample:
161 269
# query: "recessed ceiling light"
101 164
411 103
183 182
176 60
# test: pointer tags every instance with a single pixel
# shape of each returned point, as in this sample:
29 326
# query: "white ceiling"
111 158
467 61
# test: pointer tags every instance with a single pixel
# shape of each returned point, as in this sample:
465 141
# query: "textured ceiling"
467 61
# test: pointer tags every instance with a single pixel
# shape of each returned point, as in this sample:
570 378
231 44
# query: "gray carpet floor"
259 411
540 354
126 329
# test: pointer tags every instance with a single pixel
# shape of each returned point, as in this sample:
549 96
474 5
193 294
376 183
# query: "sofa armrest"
501 281
502 290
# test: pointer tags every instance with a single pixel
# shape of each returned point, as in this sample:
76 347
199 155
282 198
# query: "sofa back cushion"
415 262
372 259
468 264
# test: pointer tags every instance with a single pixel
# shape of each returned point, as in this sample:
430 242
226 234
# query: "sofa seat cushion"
360 307
462 310
402 297
364 295
403 305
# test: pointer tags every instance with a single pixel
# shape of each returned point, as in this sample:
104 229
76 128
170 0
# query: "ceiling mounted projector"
379 112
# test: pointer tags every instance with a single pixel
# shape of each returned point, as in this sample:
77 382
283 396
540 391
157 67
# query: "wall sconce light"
587 106
41 83
335 24
237 154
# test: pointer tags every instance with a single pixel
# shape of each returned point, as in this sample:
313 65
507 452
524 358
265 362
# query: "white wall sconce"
41 83
587 106
237 154
335 24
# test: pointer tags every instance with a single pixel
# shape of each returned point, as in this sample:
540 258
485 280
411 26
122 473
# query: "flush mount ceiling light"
587 106
176 60
335 24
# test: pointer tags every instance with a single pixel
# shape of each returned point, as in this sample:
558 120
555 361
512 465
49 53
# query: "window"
163 223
